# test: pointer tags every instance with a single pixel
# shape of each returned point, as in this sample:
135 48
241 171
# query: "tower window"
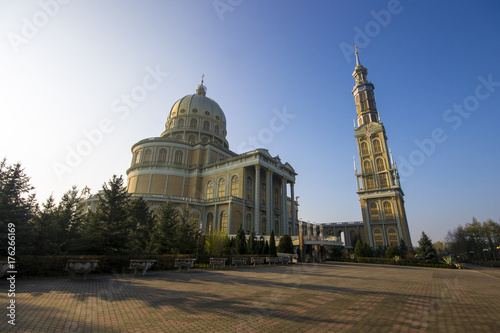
366 119
210 223
222 187
148 155
216 129
235 186
364 148
193 123
249 188
377 146
162 156
370 185
210 190
223 222
263 194
377 234
383 180
393 237
180 123
248 222
137 157
367 165
206 125
380 164
179 155
374 211
389 215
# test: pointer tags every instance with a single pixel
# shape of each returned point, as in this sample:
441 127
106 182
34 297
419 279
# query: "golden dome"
199 116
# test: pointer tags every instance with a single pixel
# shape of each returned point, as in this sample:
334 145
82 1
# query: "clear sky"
281 71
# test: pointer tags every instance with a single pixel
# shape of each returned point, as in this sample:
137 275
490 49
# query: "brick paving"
329 297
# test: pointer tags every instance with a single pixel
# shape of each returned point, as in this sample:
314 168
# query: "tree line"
119 225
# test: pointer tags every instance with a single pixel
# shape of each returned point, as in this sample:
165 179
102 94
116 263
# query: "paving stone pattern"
329 297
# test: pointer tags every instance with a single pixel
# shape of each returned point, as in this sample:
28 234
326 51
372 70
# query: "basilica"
190 164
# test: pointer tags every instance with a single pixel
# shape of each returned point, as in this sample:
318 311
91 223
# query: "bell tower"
379 189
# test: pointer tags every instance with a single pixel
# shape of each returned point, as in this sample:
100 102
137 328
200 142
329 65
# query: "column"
257 200
230 214
269 201
284 210
293 209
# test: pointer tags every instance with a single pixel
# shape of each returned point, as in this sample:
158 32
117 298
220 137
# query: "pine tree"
241 241
265 248
107 230
141 222
252 244
165 230
17 208
272 245
285 244
426 251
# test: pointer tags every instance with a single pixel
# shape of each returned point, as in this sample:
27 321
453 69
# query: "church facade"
191 165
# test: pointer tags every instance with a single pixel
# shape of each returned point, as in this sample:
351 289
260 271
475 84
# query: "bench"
272 260
188 263
80 267
257 260
239 261
218 262
285 259
141 264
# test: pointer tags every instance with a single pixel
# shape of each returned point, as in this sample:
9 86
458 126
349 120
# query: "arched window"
206 125
367 165
180 123
380 164
263 225
223 221
277 227
377 234
393 237
193 123
137 157
389 215
235 186
263 195
216 129
377 146
178 157
366 118
249 188
210 223
248 223
222 187
162 156
276 198
210 190
148 155
374 211
364 148
194 219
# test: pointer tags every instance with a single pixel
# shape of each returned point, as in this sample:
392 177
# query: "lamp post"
484 252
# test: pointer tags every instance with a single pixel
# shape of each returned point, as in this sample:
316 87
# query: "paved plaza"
328 297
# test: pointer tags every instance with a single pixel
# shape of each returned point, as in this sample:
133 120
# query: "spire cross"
202 76
356 48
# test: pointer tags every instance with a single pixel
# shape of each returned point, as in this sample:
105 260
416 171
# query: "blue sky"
67 65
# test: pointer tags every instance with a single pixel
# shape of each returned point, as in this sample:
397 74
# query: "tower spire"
357 57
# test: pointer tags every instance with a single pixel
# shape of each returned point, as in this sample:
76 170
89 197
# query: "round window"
195 110
207 113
